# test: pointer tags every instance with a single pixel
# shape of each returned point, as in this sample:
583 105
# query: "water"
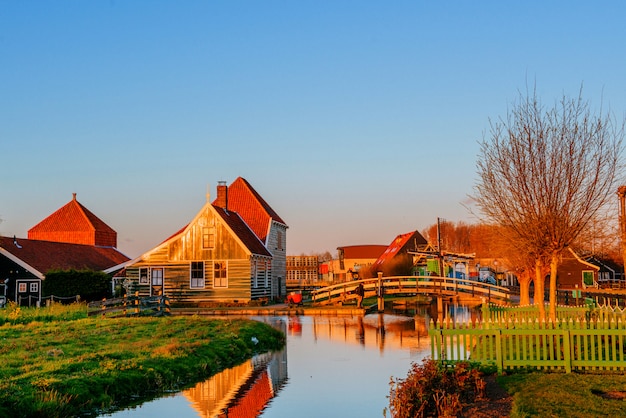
332 366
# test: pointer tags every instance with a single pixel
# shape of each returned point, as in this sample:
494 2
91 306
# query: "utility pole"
439 251
621 193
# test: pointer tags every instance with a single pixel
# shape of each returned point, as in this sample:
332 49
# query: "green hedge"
90 285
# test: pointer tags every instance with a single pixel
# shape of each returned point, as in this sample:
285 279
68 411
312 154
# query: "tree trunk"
554 263
524 288
539 302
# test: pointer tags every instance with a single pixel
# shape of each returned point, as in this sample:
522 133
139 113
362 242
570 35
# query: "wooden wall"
175 258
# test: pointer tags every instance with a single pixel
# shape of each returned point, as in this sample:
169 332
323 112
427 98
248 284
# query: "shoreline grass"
86 366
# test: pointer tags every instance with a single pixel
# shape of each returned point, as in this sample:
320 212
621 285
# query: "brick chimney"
222 195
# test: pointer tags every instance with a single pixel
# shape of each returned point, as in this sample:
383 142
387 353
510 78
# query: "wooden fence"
567 344
131 306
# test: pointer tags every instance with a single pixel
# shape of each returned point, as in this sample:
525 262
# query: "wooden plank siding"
276 243
248 275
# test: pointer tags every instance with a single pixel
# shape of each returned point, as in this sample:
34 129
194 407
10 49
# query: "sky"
356 121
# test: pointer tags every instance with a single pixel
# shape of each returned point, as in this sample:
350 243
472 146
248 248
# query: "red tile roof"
363 251
245 234
74 223
243 199
47 255
402 243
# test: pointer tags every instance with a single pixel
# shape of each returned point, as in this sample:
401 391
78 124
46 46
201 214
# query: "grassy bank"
53 368
566 395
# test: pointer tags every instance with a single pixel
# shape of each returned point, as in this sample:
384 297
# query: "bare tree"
545 173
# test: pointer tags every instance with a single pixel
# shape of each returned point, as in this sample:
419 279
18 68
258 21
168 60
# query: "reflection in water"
242 391
339 366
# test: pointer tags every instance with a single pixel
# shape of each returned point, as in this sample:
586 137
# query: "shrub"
90 285
432 389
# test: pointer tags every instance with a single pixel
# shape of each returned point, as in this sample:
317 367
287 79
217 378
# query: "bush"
431 389
90 285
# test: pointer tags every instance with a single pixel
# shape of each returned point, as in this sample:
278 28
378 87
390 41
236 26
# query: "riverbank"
88 366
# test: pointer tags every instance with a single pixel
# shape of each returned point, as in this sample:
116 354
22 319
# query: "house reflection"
374 331
241 391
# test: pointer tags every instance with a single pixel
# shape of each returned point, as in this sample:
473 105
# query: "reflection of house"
350 259
70 238
408 245
232 250
241 391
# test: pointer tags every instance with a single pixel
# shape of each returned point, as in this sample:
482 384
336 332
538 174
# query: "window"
34 287
208 237
220 278
279 238
197 275
22 288
157 277
143 276
588 277
255 283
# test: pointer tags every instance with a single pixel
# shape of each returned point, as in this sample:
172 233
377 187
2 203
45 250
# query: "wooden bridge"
411 285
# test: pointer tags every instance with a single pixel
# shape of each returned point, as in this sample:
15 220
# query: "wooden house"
233 250
404 246
349 262
70 238
575 272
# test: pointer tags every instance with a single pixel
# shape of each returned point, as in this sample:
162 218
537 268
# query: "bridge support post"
380 293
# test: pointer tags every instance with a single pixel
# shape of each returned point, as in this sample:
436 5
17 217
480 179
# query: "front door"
156 287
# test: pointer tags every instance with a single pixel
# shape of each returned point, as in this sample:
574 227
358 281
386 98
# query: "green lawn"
541 394
55 368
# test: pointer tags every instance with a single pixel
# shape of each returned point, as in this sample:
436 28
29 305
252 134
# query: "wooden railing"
131 306
448 286
516 342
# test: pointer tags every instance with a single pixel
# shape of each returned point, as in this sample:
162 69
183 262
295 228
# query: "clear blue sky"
356 120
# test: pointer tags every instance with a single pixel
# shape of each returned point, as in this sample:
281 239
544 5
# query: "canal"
332 366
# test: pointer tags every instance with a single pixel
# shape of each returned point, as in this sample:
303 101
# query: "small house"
233 250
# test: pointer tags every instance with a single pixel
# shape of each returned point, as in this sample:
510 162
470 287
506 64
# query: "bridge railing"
433 285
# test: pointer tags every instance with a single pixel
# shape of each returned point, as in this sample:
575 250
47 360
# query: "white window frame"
220 274
34 287
158 282
196 275
22 287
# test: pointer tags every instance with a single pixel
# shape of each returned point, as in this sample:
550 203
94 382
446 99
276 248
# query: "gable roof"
362 251
237 225
243 232
401 244
74 223
43 256
253 209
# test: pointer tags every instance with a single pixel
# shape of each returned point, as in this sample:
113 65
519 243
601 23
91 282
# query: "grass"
542 394
68 367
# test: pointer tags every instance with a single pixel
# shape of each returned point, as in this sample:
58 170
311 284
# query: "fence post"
499 354
567 353
104 308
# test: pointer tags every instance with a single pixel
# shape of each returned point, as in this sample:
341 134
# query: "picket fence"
576 341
